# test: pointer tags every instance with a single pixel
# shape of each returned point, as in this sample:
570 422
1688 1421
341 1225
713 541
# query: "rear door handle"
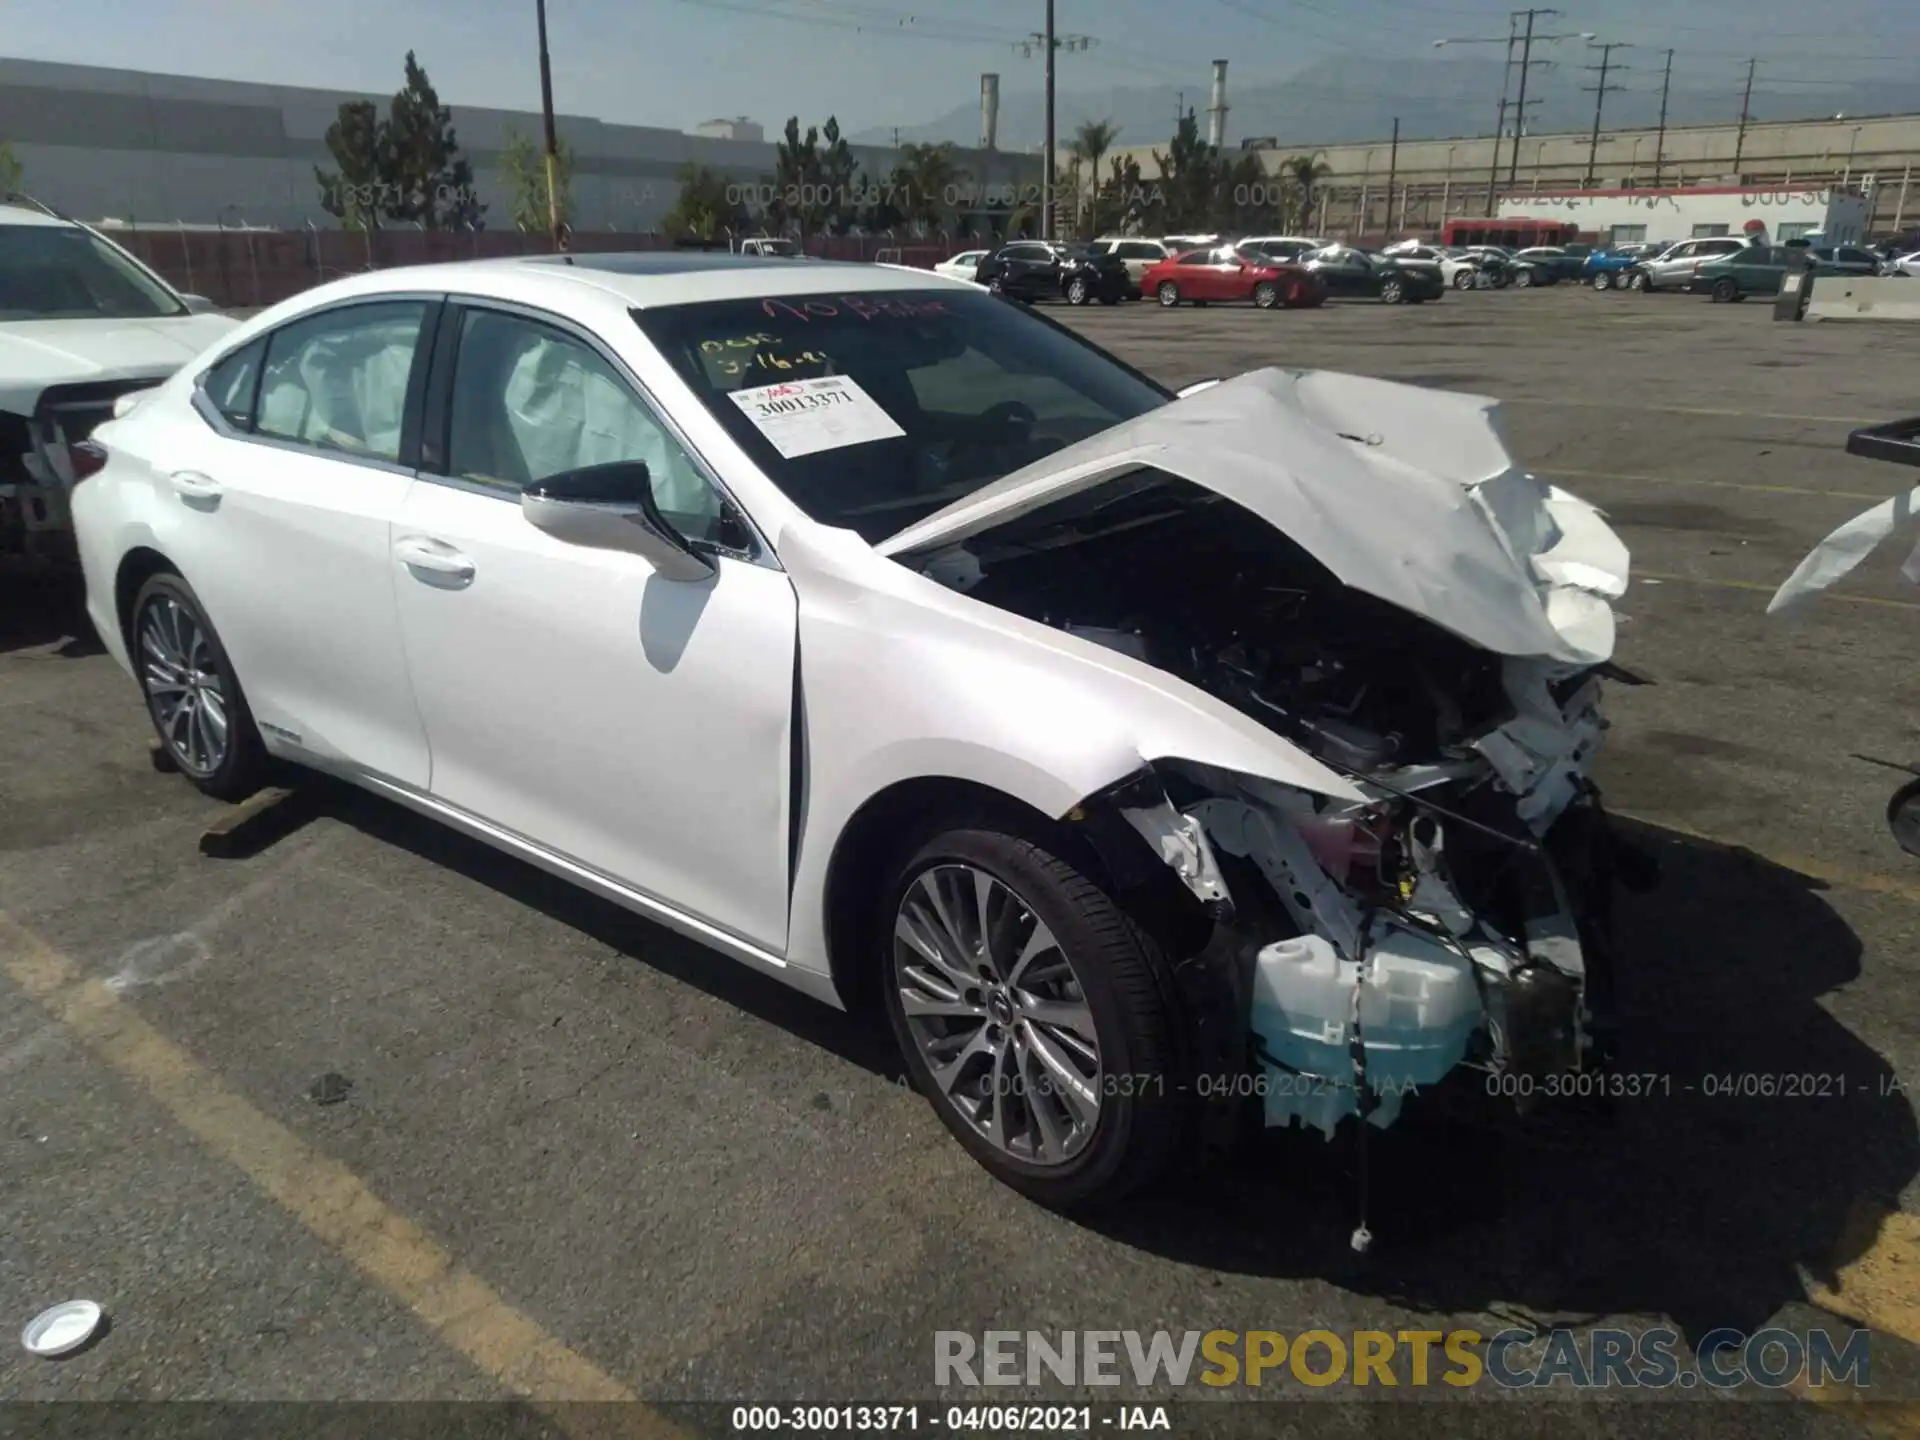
192 485
426 556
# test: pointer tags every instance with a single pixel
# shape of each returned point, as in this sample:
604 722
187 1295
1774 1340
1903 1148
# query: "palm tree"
1090 143
1301 173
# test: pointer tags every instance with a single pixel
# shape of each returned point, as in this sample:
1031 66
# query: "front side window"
530 402
338 380
60 272
873 410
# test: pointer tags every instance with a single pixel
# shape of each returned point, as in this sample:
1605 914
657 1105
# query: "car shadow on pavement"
41 604
1700 1199
865 1044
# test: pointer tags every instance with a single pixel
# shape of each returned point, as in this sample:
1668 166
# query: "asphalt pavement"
577 1157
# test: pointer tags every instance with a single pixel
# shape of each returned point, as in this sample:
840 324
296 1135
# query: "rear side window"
234 382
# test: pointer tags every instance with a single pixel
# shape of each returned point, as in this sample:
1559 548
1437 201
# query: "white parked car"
82 323
893 641
1905 265
1460 270
962 266
1136 252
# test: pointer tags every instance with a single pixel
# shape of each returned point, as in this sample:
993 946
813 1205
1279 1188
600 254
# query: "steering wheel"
1010 415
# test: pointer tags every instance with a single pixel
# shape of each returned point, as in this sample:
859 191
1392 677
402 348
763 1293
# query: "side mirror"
200 305
611 507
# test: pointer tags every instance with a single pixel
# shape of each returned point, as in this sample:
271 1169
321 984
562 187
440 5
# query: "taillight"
86 458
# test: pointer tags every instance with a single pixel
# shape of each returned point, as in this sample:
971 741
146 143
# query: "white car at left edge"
83 326
1114 748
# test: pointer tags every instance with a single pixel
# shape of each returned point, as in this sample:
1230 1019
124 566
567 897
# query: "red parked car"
1224 273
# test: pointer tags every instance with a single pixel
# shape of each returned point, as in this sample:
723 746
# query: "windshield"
54 272
949 391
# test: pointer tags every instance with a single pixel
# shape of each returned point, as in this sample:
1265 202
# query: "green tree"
431 182
1126 197
1091 142
929 181
523 175
1191 176
795 195
356 192
1300 177
707 204
839 177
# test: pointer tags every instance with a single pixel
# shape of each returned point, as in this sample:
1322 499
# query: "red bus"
1514 233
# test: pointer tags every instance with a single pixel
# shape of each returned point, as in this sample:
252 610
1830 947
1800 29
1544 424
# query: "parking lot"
578 1157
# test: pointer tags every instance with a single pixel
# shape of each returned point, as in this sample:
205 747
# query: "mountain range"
1345 99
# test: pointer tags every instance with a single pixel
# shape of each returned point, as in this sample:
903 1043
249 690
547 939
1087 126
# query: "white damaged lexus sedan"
1155 763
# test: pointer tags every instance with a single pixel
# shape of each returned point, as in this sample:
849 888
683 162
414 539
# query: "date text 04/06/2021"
1572 1084
951 1419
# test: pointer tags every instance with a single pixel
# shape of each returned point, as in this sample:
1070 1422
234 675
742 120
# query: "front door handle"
428 557
192 485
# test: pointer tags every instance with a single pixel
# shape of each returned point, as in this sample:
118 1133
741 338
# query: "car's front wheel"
193 695
1524 280
1725 289
1168 294
1266 295
1463 279
1602 280
1078 292
1393 292
1033 1014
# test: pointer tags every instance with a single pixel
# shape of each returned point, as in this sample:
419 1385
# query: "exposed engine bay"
1459 914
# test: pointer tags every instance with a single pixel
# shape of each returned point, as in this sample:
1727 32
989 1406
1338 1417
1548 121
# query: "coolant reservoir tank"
1419 1008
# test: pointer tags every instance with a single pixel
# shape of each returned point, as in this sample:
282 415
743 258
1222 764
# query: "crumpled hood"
37 353
1403 492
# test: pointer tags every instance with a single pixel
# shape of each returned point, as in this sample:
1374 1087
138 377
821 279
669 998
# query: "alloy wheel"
1077 292
184 685
997 1013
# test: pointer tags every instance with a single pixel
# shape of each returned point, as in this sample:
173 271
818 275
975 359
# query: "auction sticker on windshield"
804 417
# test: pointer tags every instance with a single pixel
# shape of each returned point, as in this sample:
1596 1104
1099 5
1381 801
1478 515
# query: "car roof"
14 214
646 279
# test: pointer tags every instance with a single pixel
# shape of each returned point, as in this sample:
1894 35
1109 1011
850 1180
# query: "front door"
574 696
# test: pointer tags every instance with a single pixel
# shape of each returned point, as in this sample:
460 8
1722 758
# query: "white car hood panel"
1403 492
37 353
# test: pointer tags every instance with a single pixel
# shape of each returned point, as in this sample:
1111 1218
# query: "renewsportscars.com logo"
1513 1359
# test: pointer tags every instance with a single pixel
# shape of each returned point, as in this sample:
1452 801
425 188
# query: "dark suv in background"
1047 270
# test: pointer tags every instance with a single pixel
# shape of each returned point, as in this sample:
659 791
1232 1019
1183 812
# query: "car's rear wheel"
1034 1015
1168 294
193 695
1078 292
1266 295
1602 280
1392 292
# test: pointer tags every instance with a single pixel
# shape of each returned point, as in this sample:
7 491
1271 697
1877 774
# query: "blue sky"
882 62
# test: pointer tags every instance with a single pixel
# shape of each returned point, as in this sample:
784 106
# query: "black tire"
1126 982
1266 295
1078 292
1393 292
1725 290
1523 280
1463 279
996 286
1637 280
244 766
1903 817
1602 280
1168 294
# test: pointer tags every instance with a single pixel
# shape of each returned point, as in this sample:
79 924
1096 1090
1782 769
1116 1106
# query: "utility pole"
553 146
1493 174
1746 100
1660 137
1599 99
1046 169
1526 64
1393 168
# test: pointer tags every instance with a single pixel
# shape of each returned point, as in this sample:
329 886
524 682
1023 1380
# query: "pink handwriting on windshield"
867 307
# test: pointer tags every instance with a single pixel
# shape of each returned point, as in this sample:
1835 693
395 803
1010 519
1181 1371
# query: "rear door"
282 504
